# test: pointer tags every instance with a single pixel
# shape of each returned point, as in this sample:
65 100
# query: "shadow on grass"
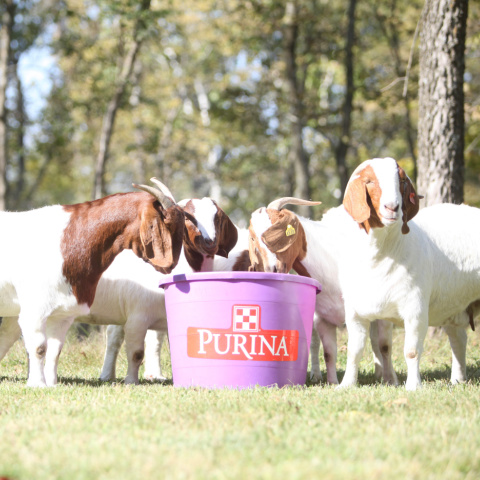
14 379
442 374
363 379
100 383
89 382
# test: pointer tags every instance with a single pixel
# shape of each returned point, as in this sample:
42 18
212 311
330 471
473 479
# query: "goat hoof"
155 378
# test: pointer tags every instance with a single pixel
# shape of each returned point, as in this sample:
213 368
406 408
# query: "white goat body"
52 259
129 301
314 249
426 272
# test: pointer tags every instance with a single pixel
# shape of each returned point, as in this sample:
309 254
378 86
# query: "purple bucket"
239 329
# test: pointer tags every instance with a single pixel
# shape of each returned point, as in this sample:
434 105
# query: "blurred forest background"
215 97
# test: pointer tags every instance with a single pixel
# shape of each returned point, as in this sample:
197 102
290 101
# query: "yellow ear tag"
289 231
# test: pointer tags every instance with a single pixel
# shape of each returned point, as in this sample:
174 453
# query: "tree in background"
208 104
387 20
441 101
343 142
8 13
23 24
126 69
298 157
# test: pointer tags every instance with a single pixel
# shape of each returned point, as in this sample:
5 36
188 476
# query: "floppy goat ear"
228 234
410 201
156 239
355 200
283 233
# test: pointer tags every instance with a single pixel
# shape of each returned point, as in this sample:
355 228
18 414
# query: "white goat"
280 241
416 274
52 259
128 297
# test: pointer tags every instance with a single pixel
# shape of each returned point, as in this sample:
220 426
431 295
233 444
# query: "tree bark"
344 140
441 110
5 37
15 195
109 118
298 156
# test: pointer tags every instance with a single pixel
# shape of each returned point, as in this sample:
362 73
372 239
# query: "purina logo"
244 340
246 318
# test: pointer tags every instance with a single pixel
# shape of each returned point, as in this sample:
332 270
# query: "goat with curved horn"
162 194
281 241
163 188
279 203
76 245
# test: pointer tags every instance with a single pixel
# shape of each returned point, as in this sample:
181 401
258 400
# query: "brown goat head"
277 238
162 223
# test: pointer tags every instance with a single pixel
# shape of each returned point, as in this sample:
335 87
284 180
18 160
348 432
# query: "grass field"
83 429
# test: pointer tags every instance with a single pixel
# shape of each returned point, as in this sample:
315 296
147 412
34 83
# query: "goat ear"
254 260
156 240
410 202
283 233
228 234
355 200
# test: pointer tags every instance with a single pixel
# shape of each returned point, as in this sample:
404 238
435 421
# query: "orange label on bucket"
244 340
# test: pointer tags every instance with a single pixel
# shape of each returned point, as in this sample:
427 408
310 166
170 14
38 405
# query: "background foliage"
206 108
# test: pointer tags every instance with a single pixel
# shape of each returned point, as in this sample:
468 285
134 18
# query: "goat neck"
97 231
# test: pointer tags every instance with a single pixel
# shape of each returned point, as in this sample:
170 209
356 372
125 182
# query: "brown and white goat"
52 258
280 241
413 268
129 300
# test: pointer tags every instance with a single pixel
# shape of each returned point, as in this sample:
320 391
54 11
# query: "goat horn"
163 194
163 188
281 202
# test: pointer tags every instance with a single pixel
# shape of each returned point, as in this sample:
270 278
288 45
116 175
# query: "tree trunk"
391 32
344 140
15 195
5 37
441 111
298 156
109 118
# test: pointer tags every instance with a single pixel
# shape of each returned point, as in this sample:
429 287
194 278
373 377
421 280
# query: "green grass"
83 429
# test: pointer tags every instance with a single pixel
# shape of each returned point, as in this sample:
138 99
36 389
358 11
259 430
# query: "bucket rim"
229 275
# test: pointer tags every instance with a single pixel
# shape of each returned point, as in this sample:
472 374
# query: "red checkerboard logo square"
246 318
